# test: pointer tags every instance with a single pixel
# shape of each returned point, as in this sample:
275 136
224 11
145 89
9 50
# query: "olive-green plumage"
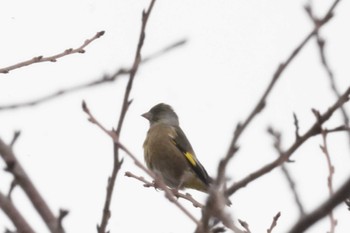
169 153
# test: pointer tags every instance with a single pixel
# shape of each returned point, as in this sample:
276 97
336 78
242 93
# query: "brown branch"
14 215
103 80
233 147
308 220
262 102
53 58
274 222
324 148
159 182
101 228
23 180
314 130
134 68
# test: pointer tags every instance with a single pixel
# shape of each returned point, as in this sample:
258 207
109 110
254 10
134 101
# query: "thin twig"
101 228
14 215
53 58
274 222
341 128
291 182
314 130
324 209
296 124
292 187
102 80
324 148
134 68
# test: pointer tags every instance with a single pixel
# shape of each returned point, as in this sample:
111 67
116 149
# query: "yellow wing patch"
187 154
190 158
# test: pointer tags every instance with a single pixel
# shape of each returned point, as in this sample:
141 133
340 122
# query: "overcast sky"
213 82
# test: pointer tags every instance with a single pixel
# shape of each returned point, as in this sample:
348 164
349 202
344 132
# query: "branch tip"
84 106
99 34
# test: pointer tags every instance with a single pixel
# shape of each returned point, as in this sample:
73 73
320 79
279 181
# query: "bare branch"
233 147
324 209
134 68
53 58
338 129
262 102
126 102
321 47
14 215
292 185
314 130
103 80
23 180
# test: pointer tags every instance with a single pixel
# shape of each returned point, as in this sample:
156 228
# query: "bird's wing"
182 143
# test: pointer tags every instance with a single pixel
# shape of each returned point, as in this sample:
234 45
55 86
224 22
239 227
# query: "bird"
169 154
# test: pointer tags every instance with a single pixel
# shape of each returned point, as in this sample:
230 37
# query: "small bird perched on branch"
169 154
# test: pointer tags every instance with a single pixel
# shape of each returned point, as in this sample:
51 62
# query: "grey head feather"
162 113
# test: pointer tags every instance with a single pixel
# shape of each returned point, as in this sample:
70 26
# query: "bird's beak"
147 115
